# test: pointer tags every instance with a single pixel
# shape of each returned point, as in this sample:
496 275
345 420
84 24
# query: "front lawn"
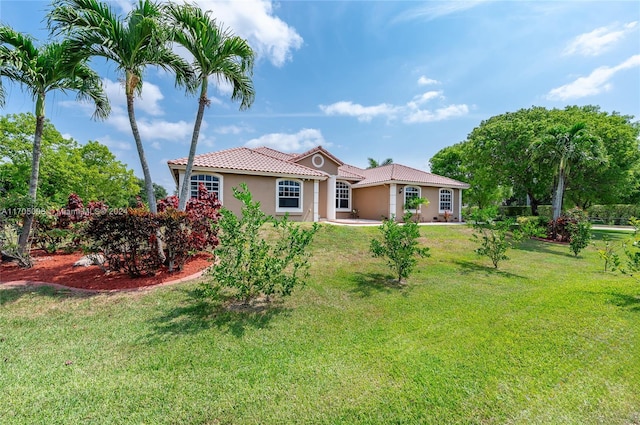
546 339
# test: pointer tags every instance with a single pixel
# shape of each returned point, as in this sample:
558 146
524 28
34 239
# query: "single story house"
316 185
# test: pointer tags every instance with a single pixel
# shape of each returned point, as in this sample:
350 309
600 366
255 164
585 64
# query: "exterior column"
392 200
181 181
316 197
459 205
331 198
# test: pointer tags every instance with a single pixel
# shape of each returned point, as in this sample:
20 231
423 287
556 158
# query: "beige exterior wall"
372 203
328 166
431 213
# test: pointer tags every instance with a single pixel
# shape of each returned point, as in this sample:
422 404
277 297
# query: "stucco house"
315 185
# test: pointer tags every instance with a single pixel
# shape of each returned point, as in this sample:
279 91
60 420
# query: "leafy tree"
40 70
567 148
138 40
218 53
65 168
505 151
251 263
452 161
373 163
399 245
158 190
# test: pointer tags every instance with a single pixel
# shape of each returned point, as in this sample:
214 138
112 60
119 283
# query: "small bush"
399 245
608 254
250 260
494 236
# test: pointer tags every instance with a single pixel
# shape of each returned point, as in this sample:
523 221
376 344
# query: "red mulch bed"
58 268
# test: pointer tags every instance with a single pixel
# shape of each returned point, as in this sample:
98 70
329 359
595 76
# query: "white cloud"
230 129
147 102
254 20
424 98
151 130
305 139
436 9
440 114
411 112
599 40
113 144
424 81
363 113
594 83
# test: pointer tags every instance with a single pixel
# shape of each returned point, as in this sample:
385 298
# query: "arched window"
211 182
410 192
446 200
288 196
343 196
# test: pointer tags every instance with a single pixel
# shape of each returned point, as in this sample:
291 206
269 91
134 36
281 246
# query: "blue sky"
369 78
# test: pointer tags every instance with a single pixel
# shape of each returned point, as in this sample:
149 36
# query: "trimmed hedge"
618 214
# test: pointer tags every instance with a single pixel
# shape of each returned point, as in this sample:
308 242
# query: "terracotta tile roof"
349 172
250 160
315 150
269 161
276 154
396 173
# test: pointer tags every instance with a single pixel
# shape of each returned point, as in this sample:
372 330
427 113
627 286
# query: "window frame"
404 192
440 201
348 198
297 209
213 176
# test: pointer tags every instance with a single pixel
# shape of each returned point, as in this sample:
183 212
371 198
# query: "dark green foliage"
399 245
617 214
177 237
127 239
256 259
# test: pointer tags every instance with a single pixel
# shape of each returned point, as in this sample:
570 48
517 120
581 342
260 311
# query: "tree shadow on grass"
11 294
368 284
198 314
628 302
467 267
545 247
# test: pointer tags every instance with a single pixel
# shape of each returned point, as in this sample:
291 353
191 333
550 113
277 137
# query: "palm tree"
133 43
566 147
373 163
216 53
39 70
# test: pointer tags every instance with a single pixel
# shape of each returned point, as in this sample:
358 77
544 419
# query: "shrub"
608 254
177 237
127 239
580 235
532 226
632 249
203 213
399 245
617 214
249 262
494 236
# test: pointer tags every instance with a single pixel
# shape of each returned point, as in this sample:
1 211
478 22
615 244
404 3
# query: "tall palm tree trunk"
148 183
23 241
186 183
559 195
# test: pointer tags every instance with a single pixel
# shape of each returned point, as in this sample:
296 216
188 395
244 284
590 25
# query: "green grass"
546 339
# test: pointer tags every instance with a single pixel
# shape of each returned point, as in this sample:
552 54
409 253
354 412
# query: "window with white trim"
343 196
410 192
288 196
212 183
446 200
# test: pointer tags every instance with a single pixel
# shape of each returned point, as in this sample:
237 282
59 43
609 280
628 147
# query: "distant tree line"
580 155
